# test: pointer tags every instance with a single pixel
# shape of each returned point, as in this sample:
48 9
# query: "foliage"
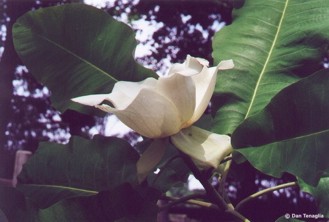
273 104
273 45
280 139
319 192
104 48
99 164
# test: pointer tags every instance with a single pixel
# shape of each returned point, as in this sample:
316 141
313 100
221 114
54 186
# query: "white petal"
150 114
225 64
196 63
124 93
191 66
150 158
143 106
205 148
181 69
90 100
205 84
181 91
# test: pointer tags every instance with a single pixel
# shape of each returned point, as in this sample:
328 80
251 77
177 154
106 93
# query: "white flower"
159 108
205 148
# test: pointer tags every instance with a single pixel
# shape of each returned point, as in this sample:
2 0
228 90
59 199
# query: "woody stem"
213 195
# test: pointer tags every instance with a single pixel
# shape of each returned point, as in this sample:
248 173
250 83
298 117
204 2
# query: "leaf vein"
77 56
267 59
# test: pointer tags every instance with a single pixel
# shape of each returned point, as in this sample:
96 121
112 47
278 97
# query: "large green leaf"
121 202
76 50
273 44
292 133
320 193
18 208
80 168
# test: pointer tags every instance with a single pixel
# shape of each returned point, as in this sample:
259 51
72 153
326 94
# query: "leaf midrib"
317 133
267 60
75 55
92 192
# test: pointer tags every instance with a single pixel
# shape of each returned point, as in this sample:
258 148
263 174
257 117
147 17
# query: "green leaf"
76 50
77 169
13 204
68 210
292 133
124 203
320 193
110 205
128 204
273 44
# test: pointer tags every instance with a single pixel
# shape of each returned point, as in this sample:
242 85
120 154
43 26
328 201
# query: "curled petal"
142 106
205 148
153 108
180 90
160 107
90 100
205 83
122 95
196 63
149 114
225 64
190 67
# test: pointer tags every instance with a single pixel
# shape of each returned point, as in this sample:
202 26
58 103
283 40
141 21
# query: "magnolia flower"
168 106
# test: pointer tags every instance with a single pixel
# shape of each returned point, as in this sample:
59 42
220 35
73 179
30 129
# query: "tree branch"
265 191
188 199
222 181
213 195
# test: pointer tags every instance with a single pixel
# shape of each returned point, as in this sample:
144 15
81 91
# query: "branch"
213 195
265 191
224 176
188 199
